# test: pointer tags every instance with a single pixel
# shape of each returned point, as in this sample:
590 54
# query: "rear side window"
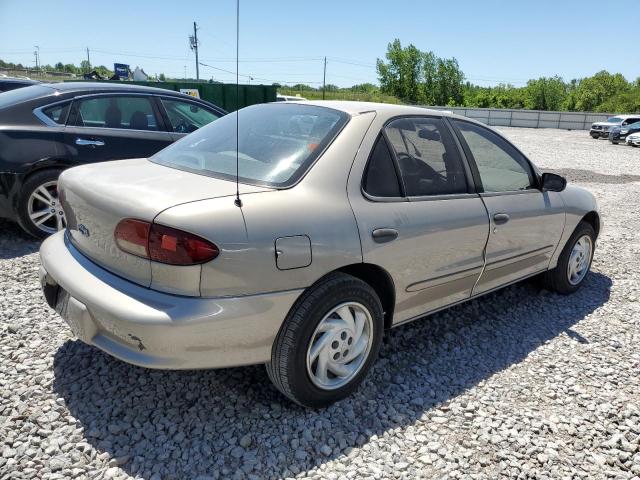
57 113
128 112
380 178
187 117
427 156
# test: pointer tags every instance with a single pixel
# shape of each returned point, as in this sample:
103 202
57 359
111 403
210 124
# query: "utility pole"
88 60
185 72
324 77
193 42
37 54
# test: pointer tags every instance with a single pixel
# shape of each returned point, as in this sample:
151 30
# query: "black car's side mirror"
553 183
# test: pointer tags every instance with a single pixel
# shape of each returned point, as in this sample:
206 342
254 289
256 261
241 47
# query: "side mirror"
429 134
553 183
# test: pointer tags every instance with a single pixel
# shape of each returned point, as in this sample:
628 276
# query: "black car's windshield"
277 143
13 97
633 125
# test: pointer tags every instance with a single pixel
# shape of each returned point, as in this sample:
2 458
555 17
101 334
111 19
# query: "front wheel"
39 210
328 342
574 261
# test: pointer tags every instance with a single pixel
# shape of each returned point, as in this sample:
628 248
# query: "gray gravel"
522 383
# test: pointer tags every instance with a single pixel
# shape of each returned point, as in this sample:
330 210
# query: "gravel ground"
522 383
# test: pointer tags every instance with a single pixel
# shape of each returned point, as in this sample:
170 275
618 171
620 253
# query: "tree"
59 66
162 78
593 91
420 77
85 66
401 76
364 88
545 93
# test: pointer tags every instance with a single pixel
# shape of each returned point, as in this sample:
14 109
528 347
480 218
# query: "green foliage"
162 77
420 77
594 91
545 93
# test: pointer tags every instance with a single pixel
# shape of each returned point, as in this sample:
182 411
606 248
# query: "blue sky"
494 41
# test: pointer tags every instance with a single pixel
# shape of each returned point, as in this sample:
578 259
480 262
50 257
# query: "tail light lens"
132 236
163 244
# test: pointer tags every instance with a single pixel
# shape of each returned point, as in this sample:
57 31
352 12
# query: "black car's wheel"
328 341
615 142
574 261
39 211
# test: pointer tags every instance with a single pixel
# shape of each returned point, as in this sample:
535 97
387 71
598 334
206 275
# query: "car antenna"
237 201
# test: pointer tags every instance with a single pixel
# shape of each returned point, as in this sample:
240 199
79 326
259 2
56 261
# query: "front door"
417 217
113 127
526 223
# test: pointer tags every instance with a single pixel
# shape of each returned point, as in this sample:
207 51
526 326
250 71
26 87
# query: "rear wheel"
39 211
328 342
574 262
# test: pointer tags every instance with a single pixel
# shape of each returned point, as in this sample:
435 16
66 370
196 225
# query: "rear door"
526 223
418 216
114 126
184 116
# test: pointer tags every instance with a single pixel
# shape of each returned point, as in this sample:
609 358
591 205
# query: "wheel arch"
593 219
381 282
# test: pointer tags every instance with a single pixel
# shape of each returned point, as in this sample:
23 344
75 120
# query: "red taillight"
163 244
169 245
133 236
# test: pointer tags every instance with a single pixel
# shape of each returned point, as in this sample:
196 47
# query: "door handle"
382 235
90 143
500 218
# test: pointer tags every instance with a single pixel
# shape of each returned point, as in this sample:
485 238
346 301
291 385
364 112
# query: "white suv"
601 129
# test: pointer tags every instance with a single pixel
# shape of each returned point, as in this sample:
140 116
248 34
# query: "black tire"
595 137
557 279
288 367
31 185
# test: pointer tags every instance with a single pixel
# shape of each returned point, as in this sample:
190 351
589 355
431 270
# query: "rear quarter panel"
317 207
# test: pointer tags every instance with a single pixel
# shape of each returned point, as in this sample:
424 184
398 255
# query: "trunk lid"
96 197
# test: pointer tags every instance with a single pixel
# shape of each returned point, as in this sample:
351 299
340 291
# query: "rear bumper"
154 329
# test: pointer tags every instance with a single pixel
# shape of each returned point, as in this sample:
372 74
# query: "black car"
8 83
619 134
47 128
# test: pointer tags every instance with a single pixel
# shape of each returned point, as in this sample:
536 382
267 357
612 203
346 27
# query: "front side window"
187 117
380 178
277 143
127 112
427 156
502 168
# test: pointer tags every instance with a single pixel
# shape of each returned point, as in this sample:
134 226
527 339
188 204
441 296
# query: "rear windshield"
277 143
13 97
